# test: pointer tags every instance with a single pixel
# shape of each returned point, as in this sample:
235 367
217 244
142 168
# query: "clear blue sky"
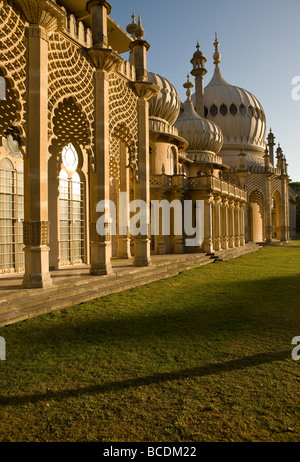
259 43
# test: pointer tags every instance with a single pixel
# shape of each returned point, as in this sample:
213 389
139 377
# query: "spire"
140 33
217 54
188 85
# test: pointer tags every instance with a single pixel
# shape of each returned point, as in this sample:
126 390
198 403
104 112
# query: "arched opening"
71 210
173 161
276 216
255 216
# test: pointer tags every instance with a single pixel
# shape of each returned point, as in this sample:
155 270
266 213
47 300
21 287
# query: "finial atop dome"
139 33
217 54
132 27
188 85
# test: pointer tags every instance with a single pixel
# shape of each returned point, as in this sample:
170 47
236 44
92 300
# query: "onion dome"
166 104
236 111
201 134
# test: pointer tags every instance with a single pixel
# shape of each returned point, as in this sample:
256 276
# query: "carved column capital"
105 59
145 90
44 13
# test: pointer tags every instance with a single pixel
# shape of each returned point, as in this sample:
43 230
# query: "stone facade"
79 125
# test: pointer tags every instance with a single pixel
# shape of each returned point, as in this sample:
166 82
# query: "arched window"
213 111
71 209
11 217
233 109
173 161
243 110
223 110
2 88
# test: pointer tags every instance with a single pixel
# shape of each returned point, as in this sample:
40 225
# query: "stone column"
208 219
105 61
284 205
218 224
268 209
237 224
225 237
160 240
43 17
123 234
242 224
144 90
178 241
231 225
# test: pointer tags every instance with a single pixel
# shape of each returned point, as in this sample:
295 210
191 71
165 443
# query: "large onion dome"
238 113
202 135
166 104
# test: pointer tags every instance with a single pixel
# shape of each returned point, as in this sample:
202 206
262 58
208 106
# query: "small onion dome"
198 54
166 104
201 134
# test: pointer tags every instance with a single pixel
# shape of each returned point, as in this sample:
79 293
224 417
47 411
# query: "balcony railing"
202 183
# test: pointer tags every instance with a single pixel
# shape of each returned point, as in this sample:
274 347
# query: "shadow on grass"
206 311
156 379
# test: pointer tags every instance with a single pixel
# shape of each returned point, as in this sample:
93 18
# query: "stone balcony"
203 183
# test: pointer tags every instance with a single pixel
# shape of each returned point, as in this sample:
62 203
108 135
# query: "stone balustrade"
203 183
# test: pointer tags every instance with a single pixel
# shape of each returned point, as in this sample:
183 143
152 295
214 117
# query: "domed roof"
201 134
166 104
238 113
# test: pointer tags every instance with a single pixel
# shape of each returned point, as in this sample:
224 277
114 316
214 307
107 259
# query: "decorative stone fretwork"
13 69
257 197
123 124
256 181
45 13
105 59
36 233
71 76
145 90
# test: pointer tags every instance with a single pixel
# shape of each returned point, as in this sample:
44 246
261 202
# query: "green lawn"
203 356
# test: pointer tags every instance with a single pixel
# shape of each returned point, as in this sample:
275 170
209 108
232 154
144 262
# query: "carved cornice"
45 13
105 59
145 90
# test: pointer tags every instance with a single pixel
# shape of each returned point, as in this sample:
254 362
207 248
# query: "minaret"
279 155
271 144
198 61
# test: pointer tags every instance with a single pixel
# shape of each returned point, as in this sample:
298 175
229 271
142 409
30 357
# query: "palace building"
79 125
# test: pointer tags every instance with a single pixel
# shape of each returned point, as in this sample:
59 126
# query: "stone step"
77 281
94 285
48 305
25 304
